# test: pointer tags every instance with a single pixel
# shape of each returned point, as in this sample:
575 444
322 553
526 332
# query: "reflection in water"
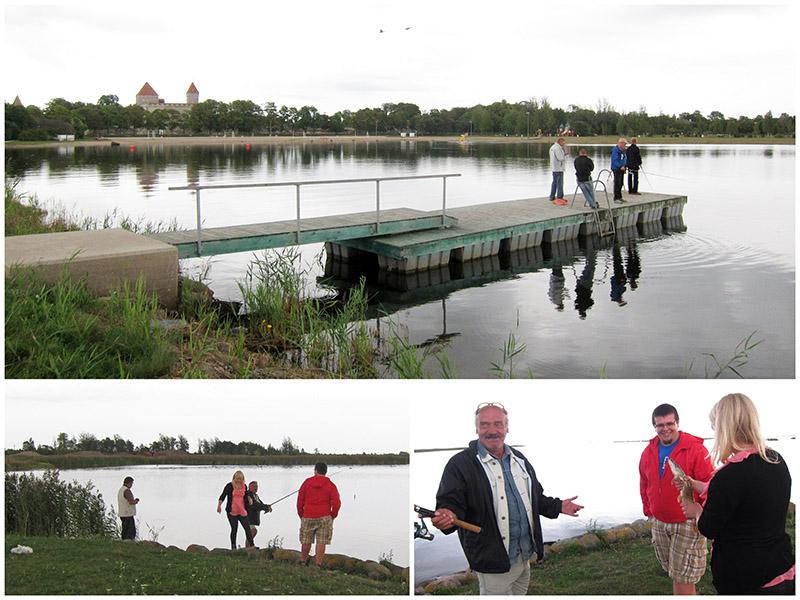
394 291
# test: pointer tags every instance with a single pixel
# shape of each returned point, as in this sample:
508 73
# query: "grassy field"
622 568
112 567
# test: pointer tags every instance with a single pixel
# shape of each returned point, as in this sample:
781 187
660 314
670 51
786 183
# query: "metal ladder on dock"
603 217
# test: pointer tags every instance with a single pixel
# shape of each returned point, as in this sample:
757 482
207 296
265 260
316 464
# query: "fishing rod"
298 489
666 176
425 512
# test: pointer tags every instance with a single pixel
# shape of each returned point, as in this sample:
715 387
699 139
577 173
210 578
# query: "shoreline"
127 141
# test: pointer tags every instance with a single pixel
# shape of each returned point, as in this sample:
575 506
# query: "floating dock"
483 230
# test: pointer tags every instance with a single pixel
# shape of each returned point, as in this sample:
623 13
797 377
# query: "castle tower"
147 95
192 95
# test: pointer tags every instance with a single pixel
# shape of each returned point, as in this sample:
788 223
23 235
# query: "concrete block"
414 263
560 234
106 257
652 214
342 252
526 240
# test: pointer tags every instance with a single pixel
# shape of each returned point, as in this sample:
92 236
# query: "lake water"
180 504
691 294
607 486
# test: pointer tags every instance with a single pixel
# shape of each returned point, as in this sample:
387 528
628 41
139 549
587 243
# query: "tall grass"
328 333
66 331
50 507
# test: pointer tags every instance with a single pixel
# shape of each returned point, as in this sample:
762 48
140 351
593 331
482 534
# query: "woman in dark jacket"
239 498
746 506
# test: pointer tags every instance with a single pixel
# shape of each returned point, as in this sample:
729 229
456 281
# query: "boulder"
196 548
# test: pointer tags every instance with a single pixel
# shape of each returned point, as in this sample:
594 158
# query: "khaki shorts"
680 549
320 528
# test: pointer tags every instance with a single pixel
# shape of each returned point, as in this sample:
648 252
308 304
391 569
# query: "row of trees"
64 444
244 117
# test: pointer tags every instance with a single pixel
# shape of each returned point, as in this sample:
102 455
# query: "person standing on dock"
618 164
254 509
318 504
679 547
493 486
558 158
583 171
127 509
633 158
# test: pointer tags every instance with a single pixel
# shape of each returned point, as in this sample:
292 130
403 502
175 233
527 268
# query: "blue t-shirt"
663 454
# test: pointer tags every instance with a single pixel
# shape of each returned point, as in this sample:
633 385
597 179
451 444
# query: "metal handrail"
197 187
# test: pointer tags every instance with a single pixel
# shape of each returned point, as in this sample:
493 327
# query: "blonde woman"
238 499
746 505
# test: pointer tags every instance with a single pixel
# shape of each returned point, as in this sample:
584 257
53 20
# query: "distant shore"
27 461
127 142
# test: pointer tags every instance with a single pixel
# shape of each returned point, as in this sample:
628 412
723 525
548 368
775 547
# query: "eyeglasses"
483 405
661 426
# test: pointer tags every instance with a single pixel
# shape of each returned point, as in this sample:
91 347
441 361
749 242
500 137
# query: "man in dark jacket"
634 160
254 509
493 486
583 172
679 547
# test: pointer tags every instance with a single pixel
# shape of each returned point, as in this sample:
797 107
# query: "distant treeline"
244 117
88 442
28 461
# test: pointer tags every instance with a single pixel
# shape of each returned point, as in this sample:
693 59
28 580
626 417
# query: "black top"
583 168
254 509
634 157
466 491
745 516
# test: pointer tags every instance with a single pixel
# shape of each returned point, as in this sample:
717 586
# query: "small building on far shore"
148 99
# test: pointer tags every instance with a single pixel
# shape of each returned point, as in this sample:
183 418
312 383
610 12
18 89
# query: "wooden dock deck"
488 224
336 228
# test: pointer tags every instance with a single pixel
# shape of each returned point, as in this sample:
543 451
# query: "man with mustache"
495 487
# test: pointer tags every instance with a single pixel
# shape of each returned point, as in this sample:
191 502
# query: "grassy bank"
113 567
625 566
27 461
64 330
310 139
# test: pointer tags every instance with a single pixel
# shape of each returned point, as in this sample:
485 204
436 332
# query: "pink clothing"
237 506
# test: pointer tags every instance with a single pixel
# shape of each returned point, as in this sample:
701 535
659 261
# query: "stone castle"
148 99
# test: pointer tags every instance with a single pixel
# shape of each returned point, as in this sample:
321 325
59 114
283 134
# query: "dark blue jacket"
618 159
466 491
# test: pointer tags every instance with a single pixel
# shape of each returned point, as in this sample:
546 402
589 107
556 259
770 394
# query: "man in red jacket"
318 505
680 549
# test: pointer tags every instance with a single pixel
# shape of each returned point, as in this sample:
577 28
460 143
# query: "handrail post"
199 220
297 235
377 205
444 196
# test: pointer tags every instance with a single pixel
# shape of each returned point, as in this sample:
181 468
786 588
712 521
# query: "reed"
66 331
47 506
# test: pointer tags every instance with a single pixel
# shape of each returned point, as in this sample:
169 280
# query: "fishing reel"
420 529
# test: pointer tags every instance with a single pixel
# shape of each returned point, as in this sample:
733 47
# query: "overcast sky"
373 416
671 58
362 417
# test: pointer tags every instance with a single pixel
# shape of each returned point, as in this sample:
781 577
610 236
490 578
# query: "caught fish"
687 495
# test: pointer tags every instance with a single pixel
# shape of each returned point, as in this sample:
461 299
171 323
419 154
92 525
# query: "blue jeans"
587 187
557 187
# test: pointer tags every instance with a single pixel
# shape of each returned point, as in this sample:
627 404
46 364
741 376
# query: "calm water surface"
691 293
180 504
